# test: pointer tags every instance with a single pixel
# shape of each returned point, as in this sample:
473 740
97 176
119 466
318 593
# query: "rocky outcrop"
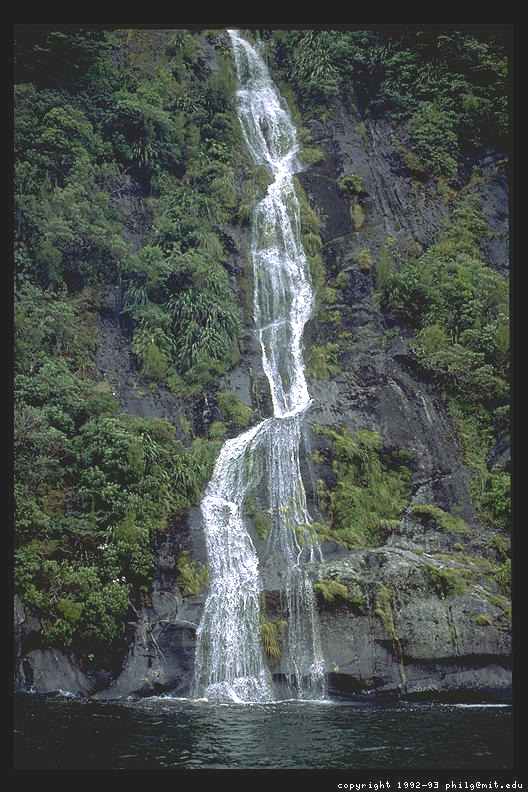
52 671
161 654
401 637
163 630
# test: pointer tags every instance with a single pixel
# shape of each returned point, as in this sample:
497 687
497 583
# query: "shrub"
358 216
271 634
413 163
331 590
217 430
364 259
433 132
427 513
369 495
235 411
192 576
154 362
323 361
311 155
501 544
503 577
351 184
495 503
94 488
445 582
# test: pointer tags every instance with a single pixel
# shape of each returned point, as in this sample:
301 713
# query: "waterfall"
264 462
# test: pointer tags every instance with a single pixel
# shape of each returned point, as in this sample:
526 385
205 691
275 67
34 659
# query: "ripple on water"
177 732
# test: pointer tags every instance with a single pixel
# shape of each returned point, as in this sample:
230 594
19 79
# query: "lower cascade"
262 465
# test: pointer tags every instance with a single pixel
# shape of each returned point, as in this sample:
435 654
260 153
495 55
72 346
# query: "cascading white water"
230 662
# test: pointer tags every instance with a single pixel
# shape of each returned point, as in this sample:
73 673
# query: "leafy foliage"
101 117
234 410
458 307
369 494
323 361
449 88
428 513
331 590
445 582
271 634
192 576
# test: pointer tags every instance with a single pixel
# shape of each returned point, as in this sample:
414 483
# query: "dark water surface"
162 733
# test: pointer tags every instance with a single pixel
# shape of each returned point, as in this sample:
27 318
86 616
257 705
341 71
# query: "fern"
271 633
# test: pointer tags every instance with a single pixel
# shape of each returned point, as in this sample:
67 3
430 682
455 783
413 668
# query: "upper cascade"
283 298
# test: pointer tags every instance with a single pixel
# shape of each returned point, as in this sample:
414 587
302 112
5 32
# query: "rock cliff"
408 631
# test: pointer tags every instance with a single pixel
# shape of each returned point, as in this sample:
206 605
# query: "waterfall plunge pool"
163 733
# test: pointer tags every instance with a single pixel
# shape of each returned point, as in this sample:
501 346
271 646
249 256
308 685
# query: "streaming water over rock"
263 462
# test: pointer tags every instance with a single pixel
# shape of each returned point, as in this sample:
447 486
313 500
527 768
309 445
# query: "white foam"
230 663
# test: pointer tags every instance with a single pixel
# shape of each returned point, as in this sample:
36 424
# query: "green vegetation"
413 163
192 576
502 602
89 503
447 88
323 361
485 572
364 259
445 582
503 577
385 264
311 155
483 620
262 519
311 238
271 633
129 166
501 545
433 133
256 181
458 307
331 590
490 489
234 410
217 430
371 490
351 184
262 524
427 513
358 216
383 609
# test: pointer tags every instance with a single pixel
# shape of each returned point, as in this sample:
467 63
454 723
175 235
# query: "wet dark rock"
161 651
161 655
52 671
428 646
500 455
